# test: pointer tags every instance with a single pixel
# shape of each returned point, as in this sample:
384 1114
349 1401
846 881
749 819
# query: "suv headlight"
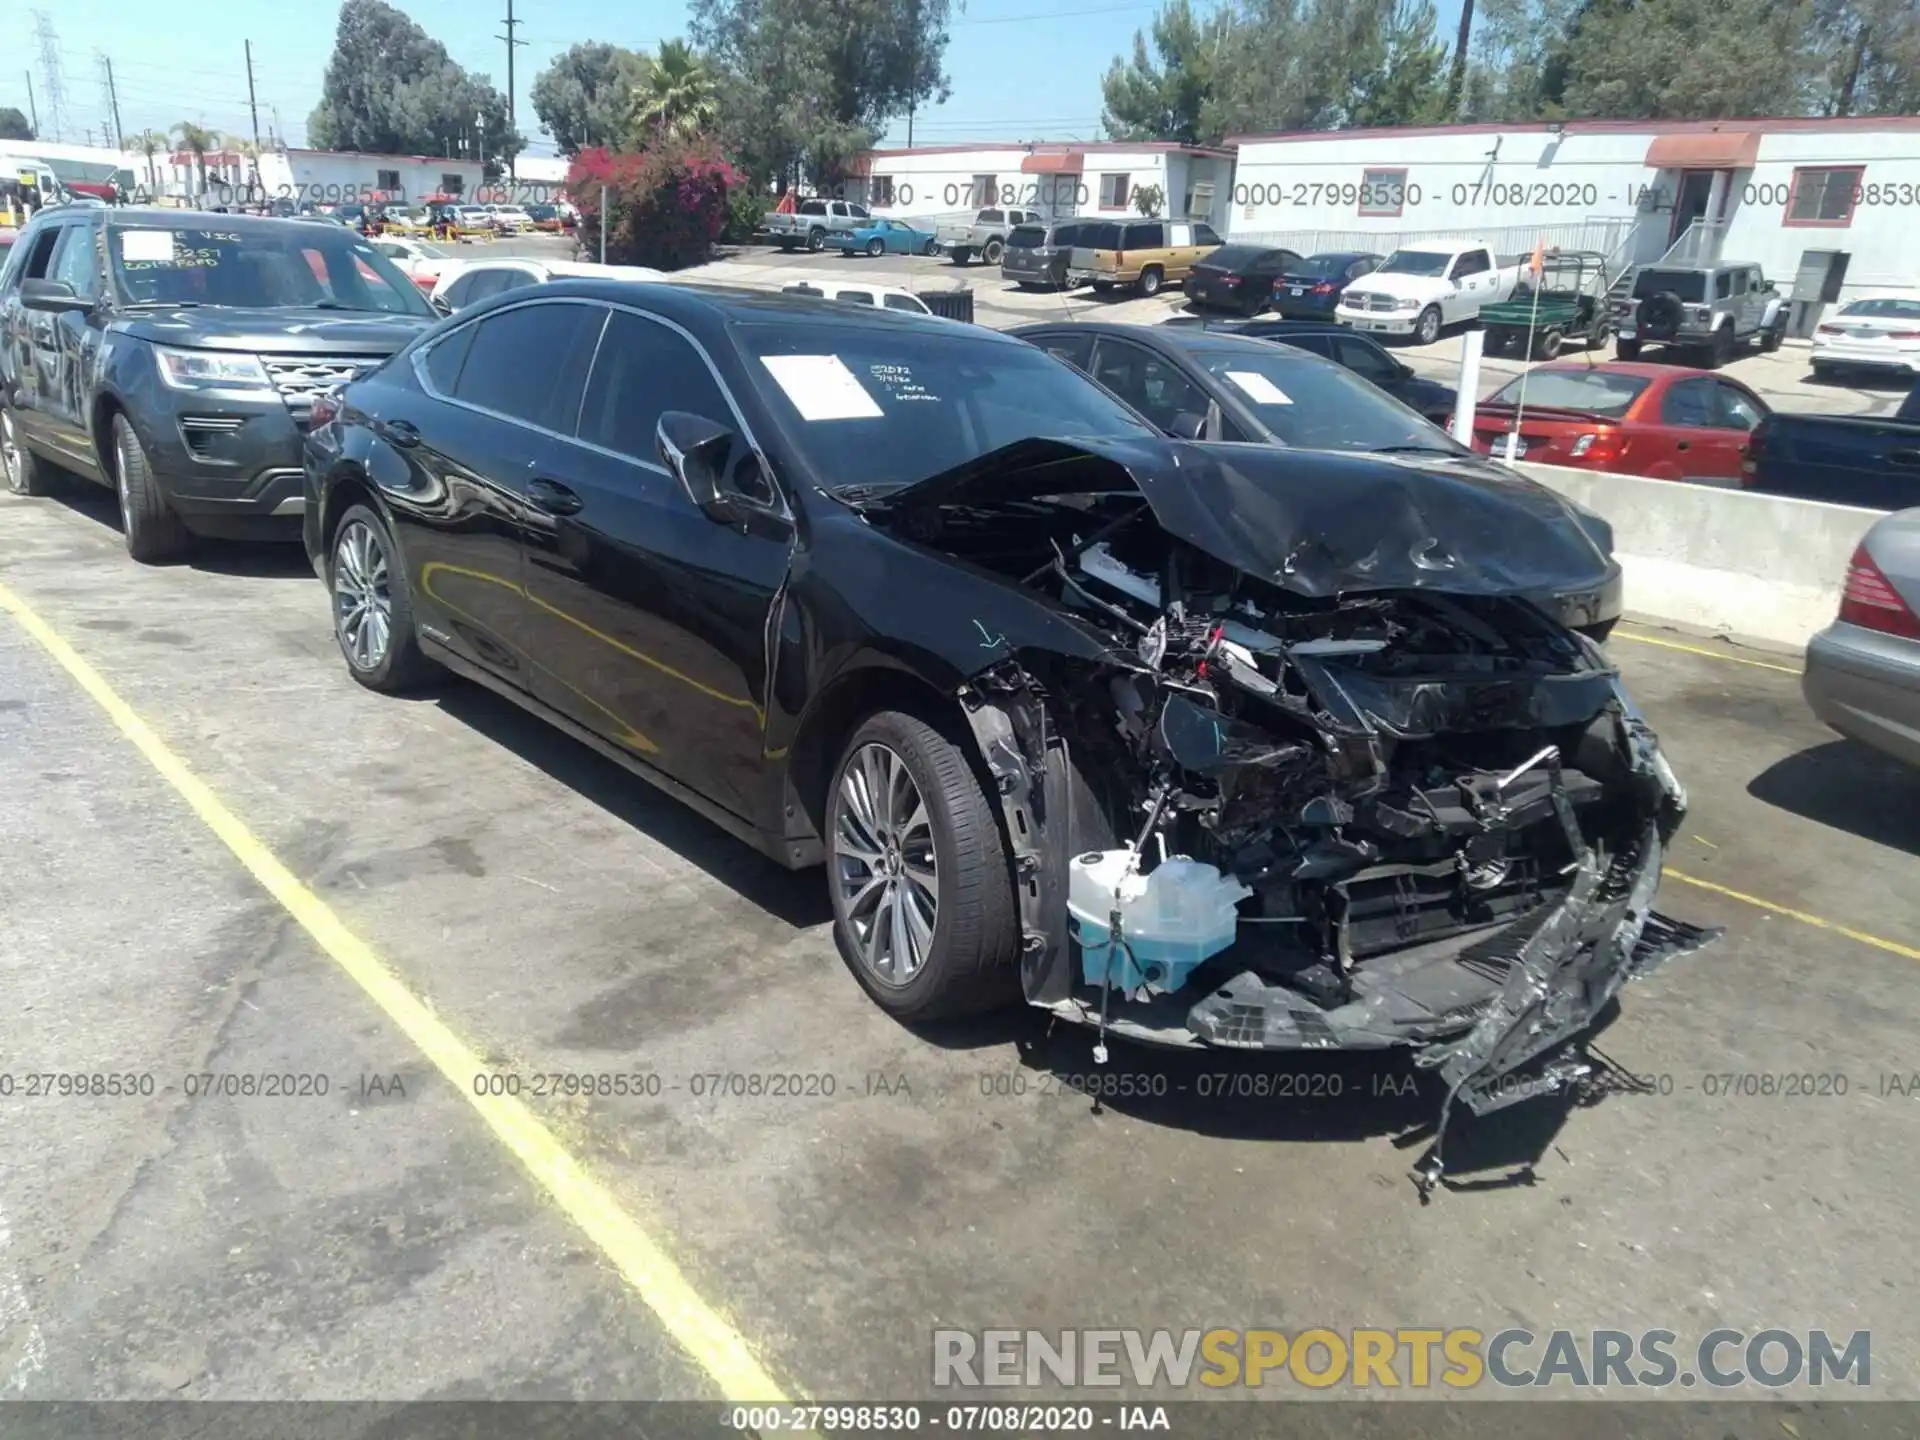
210 370
1406 304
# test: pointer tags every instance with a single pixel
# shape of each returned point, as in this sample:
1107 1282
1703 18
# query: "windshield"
875 405
1026 237
1603 392
1415 262
263 269
1316 405
1886 307
1689 285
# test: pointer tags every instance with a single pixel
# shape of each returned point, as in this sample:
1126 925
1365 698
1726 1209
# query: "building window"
1823 196
388 179
881 187
451 184
1114 190
1383 192
986 189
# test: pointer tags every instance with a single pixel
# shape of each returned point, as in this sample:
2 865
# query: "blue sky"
1020 71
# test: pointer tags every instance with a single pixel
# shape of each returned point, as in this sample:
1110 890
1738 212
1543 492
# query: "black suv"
174 355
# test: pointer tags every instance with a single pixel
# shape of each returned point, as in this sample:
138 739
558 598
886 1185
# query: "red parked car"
1630 418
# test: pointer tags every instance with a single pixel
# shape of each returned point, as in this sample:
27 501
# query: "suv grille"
300 379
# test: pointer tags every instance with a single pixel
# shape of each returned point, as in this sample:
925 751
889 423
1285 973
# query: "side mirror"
696 450
54 296
1188 426
440 305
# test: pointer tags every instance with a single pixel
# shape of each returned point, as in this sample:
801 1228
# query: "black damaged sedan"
919 603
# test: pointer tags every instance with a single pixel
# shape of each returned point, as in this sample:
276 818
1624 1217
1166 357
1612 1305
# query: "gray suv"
1712 310
1037 253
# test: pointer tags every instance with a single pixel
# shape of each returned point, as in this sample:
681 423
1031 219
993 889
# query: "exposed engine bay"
1358 820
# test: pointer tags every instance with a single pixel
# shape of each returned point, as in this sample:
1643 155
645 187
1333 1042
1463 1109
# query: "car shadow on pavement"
799 898
1848 787
263 560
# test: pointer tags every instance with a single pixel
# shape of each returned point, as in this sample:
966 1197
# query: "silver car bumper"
1866 685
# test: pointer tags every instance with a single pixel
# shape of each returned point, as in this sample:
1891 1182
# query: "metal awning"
1712 150
1056 162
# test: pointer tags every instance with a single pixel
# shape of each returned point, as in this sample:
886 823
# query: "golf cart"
1563 303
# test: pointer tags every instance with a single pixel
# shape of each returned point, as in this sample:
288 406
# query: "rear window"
812 207
1885 306
1315 404
990 217
1099 237
1689 285
1235 257
1027 237
1067 234
1321 267
1603 392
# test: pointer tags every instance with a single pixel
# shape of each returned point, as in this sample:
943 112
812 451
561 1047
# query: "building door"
1690 203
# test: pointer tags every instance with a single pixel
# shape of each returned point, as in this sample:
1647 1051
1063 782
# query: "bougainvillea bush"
666 205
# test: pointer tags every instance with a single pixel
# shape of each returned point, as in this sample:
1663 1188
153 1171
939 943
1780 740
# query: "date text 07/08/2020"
531 192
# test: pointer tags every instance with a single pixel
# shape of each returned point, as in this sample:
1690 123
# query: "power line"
50 72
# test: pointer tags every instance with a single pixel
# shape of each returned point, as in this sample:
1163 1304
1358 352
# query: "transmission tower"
55 90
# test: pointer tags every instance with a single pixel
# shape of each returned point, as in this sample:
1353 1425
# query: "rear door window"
1147 237
442 359
1737 410
1151 384
1690 403
530 363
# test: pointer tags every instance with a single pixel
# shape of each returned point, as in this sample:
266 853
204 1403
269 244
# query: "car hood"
1314 523
1407 286
289 331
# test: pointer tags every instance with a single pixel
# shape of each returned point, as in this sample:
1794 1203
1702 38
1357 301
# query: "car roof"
696 302
1180 337
1344 255
1638 369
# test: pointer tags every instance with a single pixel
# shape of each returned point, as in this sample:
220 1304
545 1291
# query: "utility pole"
120 135
512 122
50 71
33 108
253 107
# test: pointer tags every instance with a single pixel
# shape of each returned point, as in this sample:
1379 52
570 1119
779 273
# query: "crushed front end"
1432 816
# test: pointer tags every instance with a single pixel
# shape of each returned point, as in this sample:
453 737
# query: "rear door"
1737 410
651 619
1691 432
30 341
501 395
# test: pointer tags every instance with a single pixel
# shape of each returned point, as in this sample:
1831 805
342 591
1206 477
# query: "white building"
1829 206
931 181
320 177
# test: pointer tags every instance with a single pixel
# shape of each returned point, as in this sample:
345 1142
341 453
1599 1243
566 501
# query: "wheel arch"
350 486
100 415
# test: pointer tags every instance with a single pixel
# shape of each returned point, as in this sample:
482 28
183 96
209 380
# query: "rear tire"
367 580
876 248
1626 349
1547 346
1720 352
1773 337
932 247
966 959
816 239
1151 279
26 473
962 255
153 532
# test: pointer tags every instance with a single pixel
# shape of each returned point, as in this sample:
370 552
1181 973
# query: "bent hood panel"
289 330
1315 523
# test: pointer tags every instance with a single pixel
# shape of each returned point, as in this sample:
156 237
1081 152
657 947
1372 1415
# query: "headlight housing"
210 370
1406 304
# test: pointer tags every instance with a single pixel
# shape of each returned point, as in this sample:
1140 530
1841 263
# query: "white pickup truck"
1421 288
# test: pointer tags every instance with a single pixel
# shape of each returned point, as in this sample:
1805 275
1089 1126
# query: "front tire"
25 473
993 252
1427 329
373 605
153 532
918 875
932 247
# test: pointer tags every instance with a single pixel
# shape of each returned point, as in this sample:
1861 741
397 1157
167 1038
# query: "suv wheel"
923 907
1774 336
993 252
25 473
153 532
1721 350
372 606
1426 330
1151 279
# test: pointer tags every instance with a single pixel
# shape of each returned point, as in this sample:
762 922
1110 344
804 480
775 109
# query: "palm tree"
675 96
149 143
250 151
196 140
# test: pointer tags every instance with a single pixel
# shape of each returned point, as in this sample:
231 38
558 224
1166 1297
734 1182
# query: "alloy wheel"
884 866
120 481
10 451
362 597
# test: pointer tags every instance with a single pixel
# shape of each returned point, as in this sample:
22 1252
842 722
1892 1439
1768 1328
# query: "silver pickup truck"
985 235
810 221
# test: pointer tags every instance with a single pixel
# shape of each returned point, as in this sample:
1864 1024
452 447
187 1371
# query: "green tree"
675 95
582 98
13 125
149 143
1162 97
1398 70
1868 56
804 85
1691 59
390 87
196 140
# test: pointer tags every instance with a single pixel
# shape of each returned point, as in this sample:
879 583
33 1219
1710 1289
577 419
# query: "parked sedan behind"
1626 417
864 588
1863 671
1200 384
882 237
1239 278
462 284
1367 358
1881 333
1312 289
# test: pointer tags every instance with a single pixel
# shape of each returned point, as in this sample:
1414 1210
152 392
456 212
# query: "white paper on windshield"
1259 388
821 387
146 245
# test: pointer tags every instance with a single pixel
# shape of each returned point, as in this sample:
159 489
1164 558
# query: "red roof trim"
381 155
1773 125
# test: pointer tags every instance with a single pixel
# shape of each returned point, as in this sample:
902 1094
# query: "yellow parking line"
1703 650
713 1342
1892 947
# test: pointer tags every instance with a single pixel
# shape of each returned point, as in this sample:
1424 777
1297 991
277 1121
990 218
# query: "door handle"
401 432
1904 457
1682 444
553 497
